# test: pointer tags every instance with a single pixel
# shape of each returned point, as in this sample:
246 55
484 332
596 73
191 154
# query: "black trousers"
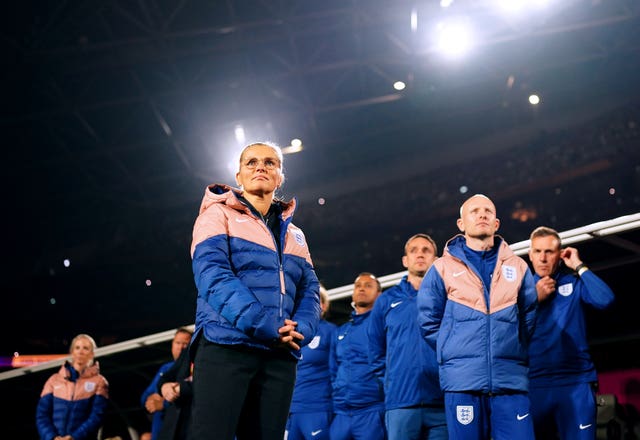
240 392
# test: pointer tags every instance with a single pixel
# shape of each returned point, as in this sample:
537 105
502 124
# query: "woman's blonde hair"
83 336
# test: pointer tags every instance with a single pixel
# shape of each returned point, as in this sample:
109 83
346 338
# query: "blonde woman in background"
73 401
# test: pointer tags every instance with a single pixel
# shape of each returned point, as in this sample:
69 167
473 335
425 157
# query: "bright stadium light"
453 38
295 147
414 20
534 99
238 131
399 85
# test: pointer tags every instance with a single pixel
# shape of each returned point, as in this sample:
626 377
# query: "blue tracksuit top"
400 357
312 392
559 352
355 386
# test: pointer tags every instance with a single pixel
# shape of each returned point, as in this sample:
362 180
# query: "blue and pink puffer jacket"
248 284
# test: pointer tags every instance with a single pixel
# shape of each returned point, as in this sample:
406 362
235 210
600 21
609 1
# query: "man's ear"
460 225
404 262
497 224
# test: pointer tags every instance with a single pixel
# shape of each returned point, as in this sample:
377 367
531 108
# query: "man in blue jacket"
476 307
151 399
401 359
358 400
562 375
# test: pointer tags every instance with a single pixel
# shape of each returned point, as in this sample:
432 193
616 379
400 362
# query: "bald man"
477 307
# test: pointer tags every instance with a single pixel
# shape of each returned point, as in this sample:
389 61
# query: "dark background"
116 115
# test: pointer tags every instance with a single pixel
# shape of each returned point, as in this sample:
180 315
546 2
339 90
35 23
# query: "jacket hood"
228 195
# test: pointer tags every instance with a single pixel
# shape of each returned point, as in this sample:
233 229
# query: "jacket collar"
220 193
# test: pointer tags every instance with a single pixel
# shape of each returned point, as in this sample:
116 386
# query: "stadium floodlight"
534 99
453 38
414 20
295 147
238 131
399 85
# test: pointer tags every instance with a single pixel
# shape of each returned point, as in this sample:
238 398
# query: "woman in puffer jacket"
258 303
73 401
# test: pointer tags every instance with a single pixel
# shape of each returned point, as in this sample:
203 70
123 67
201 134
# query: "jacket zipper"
280 268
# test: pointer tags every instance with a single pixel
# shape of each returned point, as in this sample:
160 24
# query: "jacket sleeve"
595 292
527 305
216 280
44 413
432 298
153 386
179 372
378 338
307 308
96 417
170 375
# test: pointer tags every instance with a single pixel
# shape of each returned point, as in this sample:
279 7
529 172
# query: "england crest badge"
464 414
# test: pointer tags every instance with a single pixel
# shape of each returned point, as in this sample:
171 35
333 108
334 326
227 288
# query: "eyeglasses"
269 163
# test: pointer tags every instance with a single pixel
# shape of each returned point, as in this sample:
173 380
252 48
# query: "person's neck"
79 367
479 244
415 280
360 310
261 202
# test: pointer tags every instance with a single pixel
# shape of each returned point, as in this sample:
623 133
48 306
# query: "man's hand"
289 337
170 391
545 287
154 403
570 257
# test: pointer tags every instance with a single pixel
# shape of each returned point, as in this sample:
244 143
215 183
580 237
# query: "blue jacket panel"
480 346
559 351
247 287
158 416
72 404
400 357
312 392
355 386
